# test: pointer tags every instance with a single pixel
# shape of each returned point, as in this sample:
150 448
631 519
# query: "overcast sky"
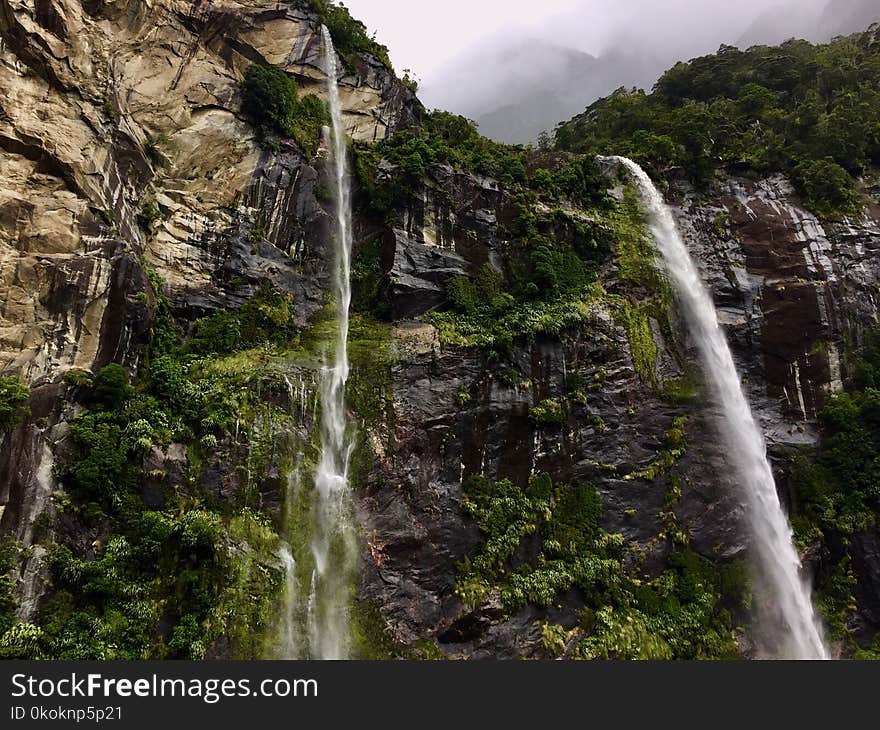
478 57
424 36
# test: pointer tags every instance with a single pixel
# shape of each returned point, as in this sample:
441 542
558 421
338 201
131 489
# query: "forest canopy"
809 111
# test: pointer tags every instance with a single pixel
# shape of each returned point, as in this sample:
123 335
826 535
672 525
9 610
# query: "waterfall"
778 564
333 545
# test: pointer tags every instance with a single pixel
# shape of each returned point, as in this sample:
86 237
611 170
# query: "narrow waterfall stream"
798 633
319 585
334 546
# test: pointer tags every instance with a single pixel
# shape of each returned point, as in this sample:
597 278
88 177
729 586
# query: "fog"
521 67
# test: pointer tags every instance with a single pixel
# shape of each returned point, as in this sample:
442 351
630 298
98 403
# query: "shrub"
110 388
14 400
547 412
103 473
269 98
826 187
23 641
270 102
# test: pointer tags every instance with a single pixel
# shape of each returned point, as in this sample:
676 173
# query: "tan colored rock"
137 102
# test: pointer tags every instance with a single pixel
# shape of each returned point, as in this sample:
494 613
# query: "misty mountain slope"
515 92
779 23
517 87
845 16
816 22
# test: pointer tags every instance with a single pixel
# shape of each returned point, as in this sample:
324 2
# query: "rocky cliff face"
122 145
790 291
124 149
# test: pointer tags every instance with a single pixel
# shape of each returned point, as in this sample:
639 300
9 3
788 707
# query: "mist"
517 80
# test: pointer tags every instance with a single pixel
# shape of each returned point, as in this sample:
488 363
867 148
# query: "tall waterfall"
777 559
334 546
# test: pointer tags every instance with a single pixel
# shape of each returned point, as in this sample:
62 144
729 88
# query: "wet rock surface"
109 106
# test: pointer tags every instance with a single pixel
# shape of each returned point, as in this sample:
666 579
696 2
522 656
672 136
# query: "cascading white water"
333 539
776 556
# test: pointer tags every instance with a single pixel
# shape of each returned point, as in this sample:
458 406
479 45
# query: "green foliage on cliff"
548 412
835 489
14 399
271 104
809 111
8 562
440 138
545 287
544 540
165 583
172 568
265 319
110 388
349 34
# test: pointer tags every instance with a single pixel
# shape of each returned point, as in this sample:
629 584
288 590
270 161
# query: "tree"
14 399
111 388
269 99
826 186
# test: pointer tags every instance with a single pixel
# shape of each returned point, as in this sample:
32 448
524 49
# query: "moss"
636 320
368 280
635 252
372 639
544 539
246 607
672 449
547 412
684 391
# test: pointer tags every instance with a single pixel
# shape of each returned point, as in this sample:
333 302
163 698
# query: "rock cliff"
126 161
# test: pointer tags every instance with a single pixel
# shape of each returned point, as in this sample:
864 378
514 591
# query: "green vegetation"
545 288
560 228
271 103
165 583
442 138
673 448
8 559
349 34
835 490
809 111
547 413
550 285
545 539
14 400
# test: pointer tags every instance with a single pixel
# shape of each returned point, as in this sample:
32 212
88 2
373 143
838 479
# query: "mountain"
519 87
784 21
516 91
841 17
819 21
